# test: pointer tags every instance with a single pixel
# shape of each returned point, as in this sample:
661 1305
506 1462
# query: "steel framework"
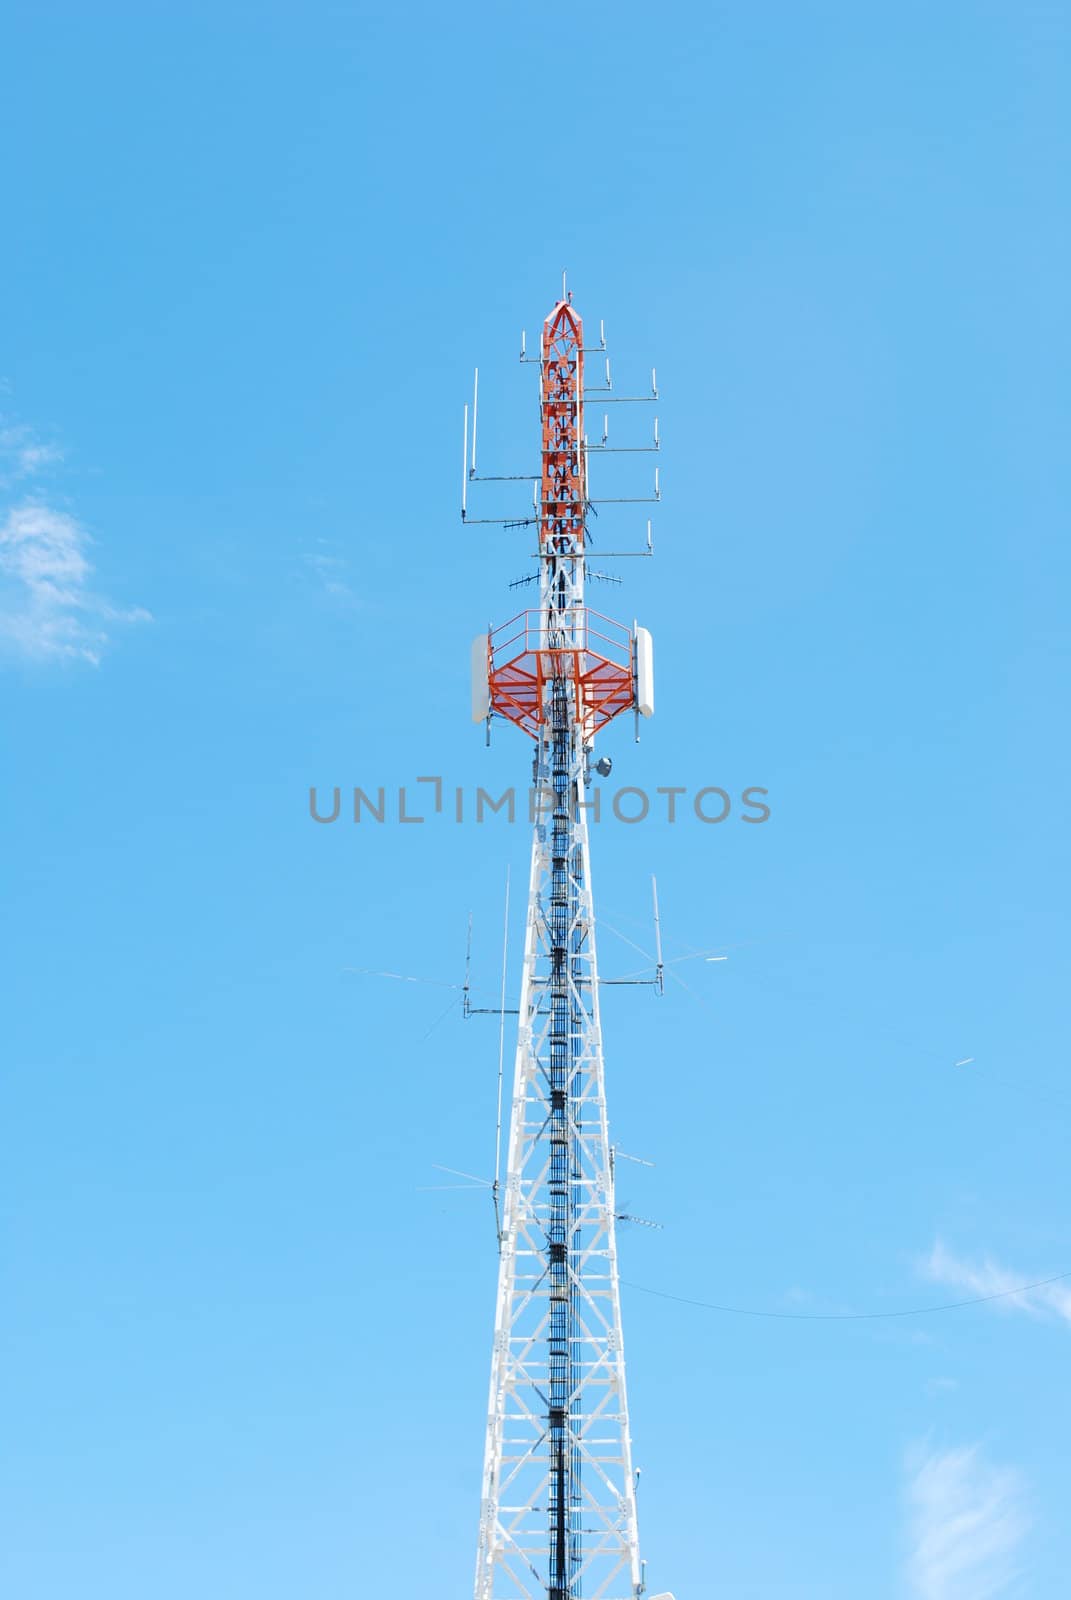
558 1508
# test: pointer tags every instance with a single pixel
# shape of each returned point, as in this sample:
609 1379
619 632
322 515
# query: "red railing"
591 651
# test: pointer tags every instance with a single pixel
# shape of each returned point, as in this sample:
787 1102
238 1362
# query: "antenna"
465 1004
475 399
496 1187
623 1155
660 971
457 1173
464 464
641 1222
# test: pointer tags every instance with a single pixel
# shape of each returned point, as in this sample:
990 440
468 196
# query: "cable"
847 1316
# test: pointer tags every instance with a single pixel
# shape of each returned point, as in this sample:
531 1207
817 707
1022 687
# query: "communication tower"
558 1507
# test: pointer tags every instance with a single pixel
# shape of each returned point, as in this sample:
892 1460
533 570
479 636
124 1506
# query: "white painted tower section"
518 1470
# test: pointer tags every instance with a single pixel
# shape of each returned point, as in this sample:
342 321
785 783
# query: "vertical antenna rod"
475 404
495 1188
660 971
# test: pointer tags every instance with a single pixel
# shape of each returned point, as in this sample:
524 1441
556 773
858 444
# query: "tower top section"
561 651
564 493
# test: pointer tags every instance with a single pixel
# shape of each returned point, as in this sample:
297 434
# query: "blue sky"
251 257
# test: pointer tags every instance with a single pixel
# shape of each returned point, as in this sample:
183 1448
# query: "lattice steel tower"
558 1509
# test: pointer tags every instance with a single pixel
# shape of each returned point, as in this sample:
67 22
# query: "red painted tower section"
563 639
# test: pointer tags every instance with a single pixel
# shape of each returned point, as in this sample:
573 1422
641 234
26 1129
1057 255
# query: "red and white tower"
558 1508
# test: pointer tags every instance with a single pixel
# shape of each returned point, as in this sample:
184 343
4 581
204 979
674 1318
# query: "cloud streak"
331 572
23 454
967 1519
985 1277
48 608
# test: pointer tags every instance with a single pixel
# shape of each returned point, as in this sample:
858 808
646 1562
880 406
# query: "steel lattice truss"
558 1514
558 1428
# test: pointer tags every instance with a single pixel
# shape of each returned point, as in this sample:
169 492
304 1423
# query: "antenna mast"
558 1510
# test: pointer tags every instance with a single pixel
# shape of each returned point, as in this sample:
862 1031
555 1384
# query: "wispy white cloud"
332 572
985 1277
967 1519
23 453
47 608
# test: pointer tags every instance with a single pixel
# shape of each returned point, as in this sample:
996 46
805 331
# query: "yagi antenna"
623 1155
641 1222
457 1173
